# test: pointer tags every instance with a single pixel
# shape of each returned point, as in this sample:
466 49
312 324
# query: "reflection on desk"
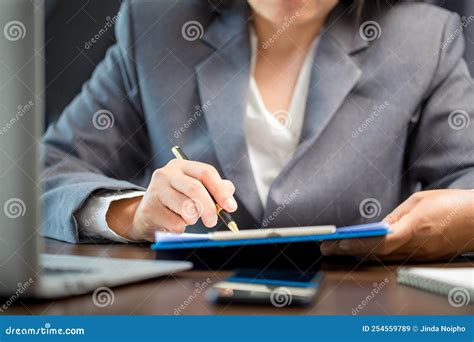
349 289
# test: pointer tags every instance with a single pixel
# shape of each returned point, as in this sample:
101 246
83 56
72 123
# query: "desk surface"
345 287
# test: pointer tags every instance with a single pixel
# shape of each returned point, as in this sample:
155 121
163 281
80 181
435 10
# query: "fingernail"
231 204
214 221
326 250
344 245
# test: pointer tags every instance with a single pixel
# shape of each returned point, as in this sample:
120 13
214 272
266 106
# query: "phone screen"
274 287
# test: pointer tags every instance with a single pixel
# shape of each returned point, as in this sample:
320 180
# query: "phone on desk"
279 288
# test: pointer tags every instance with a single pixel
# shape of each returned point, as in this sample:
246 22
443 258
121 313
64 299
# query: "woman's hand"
429 225
178 195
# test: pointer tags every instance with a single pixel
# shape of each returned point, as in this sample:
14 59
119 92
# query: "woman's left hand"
429 225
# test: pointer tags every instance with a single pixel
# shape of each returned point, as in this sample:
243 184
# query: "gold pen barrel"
227 219
178 153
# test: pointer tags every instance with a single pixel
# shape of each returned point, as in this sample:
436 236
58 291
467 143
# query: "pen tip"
233 227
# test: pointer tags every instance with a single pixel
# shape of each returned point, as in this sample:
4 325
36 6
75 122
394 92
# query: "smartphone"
279 288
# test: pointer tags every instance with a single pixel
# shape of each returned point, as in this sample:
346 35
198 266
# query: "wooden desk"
345 288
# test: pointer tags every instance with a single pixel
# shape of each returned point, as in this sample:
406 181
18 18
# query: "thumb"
400 211
402 231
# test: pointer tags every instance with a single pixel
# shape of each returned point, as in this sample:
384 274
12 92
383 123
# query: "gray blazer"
386 115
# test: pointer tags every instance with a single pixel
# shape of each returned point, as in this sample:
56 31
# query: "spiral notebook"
457 283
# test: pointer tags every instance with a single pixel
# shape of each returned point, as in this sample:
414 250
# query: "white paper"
245 234
185 237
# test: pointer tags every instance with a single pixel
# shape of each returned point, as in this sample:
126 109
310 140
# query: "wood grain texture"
345 287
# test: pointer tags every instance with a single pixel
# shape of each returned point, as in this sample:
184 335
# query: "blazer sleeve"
100 141
441 148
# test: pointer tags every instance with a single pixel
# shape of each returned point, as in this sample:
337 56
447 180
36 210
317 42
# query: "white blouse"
272 138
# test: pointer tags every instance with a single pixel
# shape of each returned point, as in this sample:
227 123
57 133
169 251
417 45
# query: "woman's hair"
366 9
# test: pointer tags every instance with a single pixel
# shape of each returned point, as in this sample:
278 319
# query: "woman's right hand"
177 196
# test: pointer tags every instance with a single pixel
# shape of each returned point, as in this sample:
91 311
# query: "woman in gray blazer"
309 111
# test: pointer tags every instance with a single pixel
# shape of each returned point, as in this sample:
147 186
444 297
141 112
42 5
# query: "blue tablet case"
350 232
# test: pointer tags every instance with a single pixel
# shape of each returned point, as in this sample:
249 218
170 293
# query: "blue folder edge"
358 231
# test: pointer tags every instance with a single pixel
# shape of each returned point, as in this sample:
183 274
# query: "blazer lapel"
223 79
334 74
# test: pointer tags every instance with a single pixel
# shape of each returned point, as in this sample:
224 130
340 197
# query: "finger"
217 187
195 190
165 220
230 203
327 246
360 247
181 205
404 208
377 246
229 186
392 257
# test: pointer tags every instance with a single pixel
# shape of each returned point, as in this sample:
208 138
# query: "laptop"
23 270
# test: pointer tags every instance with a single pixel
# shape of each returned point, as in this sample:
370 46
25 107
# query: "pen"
224 215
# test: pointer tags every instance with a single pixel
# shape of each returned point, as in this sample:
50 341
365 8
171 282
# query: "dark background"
70 25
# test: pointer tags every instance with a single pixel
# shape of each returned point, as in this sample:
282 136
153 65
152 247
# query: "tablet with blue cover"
274 250
321 233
